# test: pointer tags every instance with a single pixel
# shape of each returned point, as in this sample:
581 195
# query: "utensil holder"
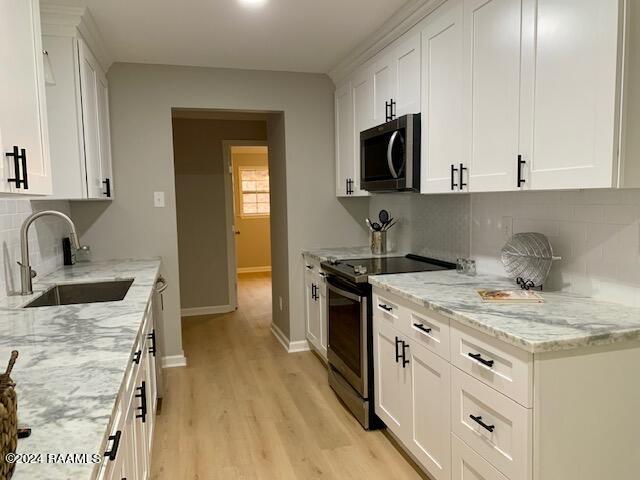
378 243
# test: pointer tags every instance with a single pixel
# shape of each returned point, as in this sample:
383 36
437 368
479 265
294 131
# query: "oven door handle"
344 293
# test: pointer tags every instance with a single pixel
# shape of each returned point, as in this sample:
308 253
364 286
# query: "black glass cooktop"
357 270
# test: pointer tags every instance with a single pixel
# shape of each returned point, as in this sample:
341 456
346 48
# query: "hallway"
245 409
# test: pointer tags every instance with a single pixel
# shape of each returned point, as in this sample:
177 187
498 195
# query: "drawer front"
430 330
389 311
497 364
468 465
495 426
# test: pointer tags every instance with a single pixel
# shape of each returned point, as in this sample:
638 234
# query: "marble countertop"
344 253
72 363
565 321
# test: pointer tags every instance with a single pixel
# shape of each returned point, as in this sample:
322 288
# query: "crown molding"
68 21
397 25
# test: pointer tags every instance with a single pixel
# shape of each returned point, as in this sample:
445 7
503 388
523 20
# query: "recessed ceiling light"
253 3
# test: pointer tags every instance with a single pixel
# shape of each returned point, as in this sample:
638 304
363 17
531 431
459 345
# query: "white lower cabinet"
315 303
412 396
128 449
430 410
468 465
392 378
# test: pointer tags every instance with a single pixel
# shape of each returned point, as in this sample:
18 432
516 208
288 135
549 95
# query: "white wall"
596 232
45 240
141 98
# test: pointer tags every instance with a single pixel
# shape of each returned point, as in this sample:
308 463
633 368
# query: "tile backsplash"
434 226
45 240
596 232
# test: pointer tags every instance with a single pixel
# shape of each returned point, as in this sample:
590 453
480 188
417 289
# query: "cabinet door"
104 130
140 423
311 308
90 78
405 62
362 93
382 79
492 47
442 106
392 380
23 113
468 465
345 153
431 411
572 138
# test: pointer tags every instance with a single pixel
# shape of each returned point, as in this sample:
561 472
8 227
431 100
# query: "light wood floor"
245 409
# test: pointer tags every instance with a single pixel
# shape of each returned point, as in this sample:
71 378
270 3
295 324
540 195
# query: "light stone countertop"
565 321
345 253
72 363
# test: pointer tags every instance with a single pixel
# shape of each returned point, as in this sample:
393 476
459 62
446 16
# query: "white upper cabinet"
344 138
382 81
405 64
363 119
493 47
23 117
78 109
571 140
442 150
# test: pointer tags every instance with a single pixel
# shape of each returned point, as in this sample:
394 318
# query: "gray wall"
200 205
141 99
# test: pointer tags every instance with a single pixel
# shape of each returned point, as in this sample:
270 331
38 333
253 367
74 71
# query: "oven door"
348 325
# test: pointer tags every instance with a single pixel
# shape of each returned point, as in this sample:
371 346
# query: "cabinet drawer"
495 426
390 312
468 465
430 330
497 364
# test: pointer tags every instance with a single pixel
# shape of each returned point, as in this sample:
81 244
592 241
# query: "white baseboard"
215 309
290 347
266 268
172 361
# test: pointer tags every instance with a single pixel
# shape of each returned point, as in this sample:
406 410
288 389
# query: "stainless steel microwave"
390 156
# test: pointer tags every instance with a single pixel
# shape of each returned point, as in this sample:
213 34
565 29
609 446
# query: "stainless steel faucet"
26 272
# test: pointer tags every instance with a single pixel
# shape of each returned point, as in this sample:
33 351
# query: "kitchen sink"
74 293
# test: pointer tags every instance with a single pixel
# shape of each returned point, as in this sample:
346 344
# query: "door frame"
230 214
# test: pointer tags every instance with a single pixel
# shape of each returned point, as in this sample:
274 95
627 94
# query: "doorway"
249 208
205 206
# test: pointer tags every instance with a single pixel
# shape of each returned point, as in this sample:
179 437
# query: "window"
254 191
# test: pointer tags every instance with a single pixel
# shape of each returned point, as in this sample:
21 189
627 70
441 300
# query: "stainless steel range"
350 343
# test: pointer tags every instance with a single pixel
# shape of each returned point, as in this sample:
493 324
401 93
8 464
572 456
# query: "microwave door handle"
390 156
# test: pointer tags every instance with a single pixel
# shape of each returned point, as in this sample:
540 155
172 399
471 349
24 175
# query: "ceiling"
286 35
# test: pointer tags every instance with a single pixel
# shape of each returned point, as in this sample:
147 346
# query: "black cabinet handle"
397 349
349 186
521 180
115 438
309 267
421 326
405 362
19 160
479 421
385 307
136 357
454 185
107 185
478 358
152 336
462 170
142 395
387 114
392 106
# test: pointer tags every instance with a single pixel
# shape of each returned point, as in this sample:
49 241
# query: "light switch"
158 199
